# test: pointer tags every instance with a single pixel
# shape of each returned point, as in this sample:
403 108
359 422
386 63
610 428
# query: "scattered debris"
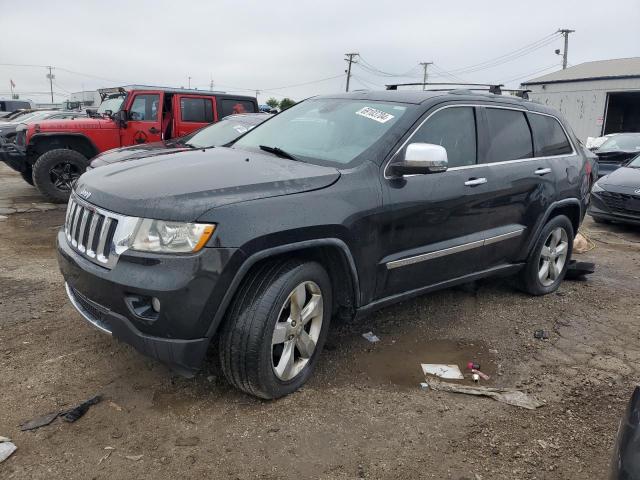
546 445
6 449
39 422
116 406
541 334
581 244
475 377
106 455
577 270
493 351
473 365
509 396
134 458
442 371
69 415
4 439
77 412
483 376
424 386
371 337
187 441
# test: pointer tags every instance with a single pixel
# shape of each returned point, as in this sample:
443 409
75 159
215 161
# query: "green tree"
273 102
286 103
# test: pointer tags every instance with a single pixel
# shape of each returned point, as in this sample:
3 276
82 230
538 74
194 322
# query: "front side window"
196 110
453 128
232 106
509 135
325 130
145 108
549 136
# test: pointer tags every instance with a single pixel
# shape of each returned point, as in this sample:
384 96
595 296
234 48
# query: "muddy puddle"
396 361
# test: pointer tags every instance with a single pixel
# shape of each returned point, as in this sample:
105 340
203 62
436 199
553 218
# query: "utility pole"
51 76
565 33
257 93
424 77
211 85
350 60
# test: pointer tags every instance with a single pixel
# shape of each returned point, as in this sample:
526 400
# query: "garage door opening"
623 112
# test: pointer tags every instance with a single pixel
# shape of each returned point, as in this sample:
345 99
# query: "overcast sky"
269 45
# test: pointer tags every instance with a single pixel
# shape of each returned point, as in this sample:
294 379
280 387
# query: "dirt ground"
362 415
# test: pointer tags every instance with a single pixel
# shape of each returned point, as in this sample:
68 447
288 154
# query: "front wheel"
548 261
277 326
55 172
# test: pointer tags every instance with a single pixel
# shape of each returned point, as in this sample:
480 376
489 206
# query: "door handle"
542 171
154 130
472 182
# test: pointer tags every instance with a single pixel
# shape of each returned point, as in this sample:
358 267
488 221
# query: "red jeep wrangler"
52 154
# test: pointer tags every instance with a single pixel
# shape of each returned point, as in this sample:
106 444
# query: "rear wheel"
277 326
549 259
55 172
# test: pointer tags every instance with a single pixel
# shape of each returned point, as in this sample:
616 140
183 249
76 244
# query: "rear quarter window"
230 106
509 135
196 110
549 136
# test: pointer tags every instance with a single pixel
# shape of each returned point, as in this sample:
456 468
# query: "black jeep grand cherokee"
340 205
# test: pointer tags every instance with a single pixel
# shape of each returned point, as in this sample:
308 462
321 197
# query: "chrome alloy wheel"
553 256
297 330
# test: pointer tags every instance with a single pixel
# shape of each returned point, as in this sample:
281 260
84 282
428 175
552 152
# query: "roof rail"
492 87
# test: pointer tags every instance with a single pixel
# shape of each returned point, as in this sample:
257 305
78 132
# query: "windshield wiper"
278 151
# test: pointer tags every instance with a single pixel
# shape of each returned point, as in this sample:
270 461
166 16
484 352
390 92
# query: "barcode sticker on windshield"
374 114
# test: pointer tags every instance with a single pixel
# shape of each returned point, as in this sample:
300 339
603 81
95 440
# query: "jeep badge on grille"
85 194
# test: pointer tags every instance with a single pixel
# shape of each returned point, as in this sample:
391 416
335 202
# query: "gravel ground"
362 415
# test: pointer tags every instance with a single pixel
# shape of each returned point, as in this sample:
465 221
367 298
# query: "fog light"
155 304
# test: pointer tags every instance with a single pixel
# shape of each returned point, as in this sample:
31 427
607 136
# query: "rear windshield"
326 131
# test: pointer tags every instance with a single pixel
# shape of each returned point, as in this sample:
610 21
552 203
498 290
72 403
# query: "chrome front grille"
93 232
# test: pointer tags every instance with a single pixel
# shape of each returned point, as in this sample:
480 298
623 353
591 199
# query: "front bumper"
614 210
189 289
13 155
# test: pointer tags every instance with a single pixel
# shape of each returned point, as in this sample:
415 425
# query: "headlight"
596 188
170 237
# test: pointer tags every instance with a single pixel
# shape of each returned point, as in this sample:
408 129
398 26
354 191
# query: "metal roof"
597 70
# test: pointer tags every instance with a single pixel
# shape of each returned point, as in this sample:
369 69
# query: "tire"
27 175
249 360
55 171
531 279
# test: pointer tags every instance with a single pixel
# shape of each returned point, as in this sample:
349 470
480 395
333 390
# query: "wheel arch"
42 143
570 207
332 253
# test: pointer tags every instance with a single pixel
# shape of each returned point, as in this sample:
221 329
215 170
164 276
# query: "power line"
527 75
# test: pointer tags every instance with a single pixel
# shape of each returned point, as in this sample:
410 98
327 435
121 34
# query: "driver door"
144 119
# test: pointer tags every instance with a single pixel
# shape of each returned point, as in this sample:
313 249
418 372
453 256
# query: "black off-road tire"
27 175
528 279
43 174
245 340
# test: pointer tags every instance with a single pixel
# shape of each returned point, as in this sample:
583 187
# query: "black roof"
129 88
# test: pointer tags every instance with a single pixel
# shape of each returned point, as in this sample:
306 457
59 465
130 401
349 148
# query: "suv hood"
185 185
136 152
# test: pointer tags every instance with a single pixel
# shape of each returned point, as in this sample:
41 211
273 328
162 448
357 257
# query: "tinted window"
196 110
509 135
230 106
454 129
145 108
11 105
549 135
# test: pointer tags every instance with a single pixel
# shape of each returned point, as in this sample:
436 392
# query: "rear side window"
230 106
196 110
549 136
509 135
454 129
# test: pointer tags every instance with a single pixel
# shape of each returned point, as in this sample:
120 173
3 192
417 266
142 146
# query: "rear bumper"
13 155
189 289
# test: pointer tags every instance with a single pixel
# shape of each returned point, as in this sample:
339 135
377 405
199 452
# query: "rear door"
144 113
523 186
193 112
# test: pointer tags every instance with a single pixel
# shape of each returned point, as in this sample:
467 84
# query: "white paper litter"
373 338
442 371
6 450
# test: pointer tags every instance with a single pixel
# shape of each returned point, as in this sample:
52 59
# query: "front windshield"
622 142
221 133
29 117
331 131
112 103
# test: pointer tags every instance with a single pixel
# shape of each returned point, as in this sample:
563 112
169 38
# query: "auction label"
375 114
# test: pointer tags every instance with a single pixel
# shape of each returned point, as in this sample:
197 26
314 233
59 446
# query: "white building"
596 97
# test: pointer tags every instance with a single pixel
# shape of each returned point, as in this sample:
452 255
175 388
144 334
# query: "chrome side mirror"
421 158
